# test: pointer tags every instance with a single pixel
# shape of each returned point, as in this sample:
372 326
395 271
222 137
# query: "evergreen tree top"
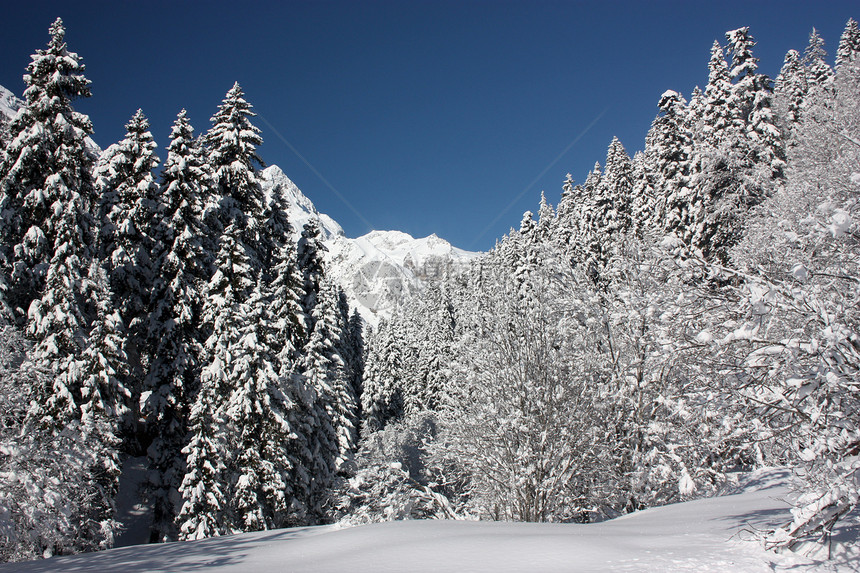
233 137
670 101
55 77
741 44
718 72
815 51
849 43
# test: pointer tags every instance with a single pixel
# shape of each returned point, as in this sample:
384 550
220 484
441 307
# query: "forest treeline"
171 317
686 312
683 313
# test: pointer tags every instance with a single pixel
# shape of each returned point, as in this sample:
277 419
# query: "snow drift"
704 535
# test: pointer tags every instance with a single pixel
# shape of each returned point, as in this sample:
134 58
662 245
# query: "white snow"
840 222
9 104
300 209
375 270
707 535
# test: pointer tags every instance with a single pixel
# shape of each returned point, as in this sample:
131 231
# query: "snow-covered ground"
704 535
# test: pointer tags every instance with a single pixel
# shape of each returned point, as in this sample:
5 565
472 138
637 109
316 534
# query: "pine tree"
127 208
382 398
45 166
259 409
615 192
251 397
174 331
849 44
669 147
58 320
789 93
358 357
204 511
546 219
232 143
105 399
818 74
226 310
567 212
716 117
310 260
334 415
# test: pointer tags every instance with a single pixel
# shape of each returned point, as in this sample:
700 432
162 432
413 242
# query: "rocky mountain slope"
379 269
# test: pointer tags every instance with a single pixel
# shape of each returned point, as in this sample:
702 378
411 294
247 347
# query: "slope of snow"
708 535
300 209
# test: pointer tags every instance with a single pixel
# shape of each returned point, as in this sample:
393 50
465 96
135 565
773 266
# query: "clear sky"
446 117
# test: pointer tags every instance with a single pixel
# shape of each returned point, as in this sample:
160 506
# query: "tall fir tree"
789 93
232 144
819 75
47 165
849 44
128 205
716 116
668 146
174 331
324 368
204 512
310 251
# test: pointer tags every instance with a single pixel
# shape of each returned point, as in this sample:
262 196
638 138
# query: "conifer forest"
683 313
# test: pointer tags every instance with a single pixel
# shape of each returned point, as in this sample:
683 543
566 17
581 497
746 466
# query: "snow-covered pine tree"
45 162
310 259
356 329
849 44
585 236
382 398
546 219
204 512
58 415
668 146
789 92
567 212
105 401
258 409
761 148
614 197
46 495
819 75
249 395
128 204
232 144
58 320
715 118
174 333
350 349
323 367
287 333
226 312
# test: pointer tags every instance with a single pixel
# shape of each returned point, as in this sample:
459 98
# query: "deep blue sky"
427 116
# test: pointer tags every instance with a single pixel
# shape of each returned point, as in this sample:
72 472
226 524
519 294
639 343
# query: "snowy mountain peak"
300 209
382 268
9 104
377 271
